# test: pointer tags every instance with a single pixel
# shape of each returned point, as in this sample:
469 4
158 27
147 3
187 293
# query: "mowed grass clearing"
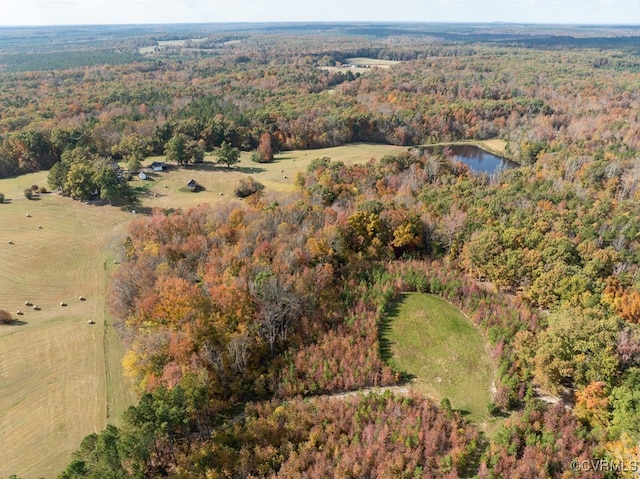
167 189
362 64
434 343
495 145
53 364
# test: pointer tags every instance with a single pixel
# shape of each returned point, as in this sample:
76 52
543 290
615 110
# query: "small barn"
142 175
158 166
192 185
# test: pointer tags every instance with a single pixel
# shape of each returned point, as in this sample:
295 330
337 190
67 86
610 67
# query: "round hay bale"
28 303
62 303
285 177
39 227
19 313
28 215
36 308
82 298
11 242
91 321
221 193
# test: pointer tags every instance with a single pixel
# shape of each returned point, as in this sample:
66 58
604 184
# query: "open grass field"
371 61
216 179
53 364
362 64
169 43
61 378
434 343
495 145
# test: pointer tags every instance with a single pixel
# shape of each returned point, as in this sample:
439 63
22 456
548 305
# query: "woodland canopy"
242 320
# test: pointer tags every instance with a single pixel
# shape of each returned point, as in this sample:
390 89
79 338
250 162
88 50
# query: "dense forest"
242 321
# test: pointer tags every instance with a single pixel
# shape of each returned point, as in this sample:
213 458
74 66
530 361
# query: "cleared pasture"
361 64
371 61
169 43
53 364
216 179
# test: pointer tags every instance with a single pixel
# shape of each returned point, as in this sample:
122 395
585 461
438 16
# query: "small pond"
478 160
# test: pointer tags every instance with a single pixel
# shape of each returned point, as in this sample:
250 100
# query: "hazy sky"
71 12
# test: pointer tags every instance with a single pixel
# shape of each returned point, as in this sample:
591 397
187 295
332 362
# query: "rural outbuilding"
192 185
142 175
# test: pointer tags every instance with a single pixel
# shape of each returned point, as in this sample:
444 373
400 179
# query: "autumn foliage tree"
592 405
5 317
265 149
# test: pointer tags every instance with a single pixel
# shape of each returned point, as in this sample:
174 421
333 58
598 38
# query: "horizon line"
320 22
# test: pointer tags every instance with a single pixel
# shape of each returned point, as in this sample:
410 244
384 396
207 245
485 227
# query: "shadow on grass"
250 169
140 192
143 210
277 159
100 202
15 322
207 166
136 209
197 189
501 414
385 343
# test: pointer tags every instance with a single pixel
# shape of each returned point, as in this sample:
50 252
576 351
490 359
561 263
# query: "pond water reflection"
479 160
